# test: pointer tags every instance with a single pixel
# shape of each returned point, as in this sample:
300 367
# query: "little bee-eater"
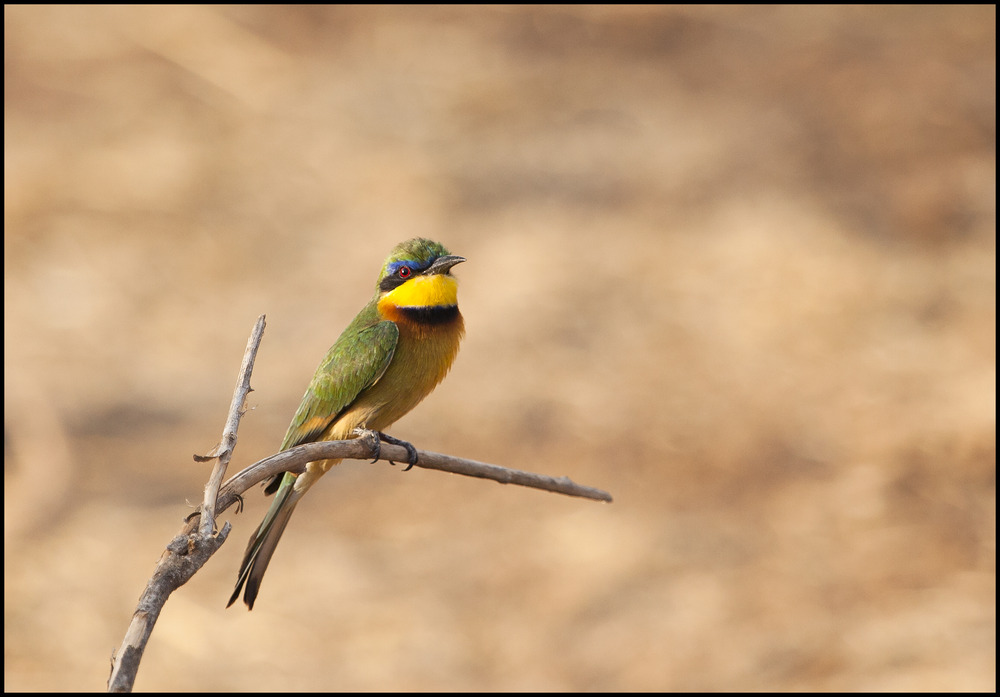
398 348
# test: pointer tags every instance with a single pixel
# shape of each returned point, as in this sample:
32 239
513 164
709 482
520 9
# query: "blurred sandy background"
736 266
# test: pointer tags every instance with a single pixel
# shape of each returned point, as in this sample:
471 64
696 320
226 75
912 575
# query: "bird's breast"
427 345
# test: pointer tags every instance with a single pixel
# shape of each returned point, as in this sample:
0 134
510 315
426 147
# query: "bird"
392 355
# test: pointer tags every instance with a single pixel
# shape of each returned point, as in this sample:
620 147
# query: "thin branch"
504 475
224 450
196 543
189 551
295 459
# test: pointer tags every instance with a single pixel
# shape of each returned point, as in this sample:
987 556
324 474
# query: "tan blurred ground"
736 266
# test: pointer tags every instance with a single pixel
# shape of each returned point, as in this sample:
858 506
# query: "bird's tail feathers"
263 543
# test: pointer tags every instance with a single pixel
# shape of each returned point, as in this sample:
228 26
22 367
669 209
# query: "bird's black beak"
444 264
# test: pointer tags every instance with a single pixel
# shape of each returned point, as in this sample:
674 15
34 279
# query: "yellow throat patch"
437 290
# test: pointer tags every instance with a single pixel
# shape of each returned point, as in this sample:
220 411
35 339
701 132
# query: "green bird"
391 356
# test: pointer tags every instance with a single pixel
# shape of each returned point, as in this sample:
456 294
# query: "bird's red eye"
404 272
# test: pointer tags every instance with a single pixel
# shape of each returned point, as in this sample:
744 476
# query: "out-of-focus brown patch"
735 265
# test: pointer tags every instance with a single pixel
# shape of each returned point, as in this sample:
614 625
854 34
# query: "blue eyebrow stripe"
394 266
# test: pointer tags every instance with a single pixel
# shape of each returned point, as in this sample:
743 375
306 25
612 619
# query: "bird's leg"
373 439
377 436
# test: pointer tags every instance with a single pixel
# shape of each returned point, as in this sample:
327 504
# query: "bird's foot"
376 437
373 441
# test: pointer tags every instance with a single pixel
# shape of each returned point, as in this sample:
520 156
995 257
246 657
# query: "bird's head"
417 274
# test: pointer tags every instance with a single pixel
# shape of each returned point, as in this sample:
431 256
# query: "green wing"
354 363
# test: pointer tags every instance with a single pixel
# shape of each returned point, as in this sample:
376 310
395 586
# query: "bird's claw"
411 452
376 438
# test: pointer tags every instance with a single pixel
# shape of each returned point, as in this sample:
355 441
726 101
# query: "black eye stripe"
390 282
402 275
